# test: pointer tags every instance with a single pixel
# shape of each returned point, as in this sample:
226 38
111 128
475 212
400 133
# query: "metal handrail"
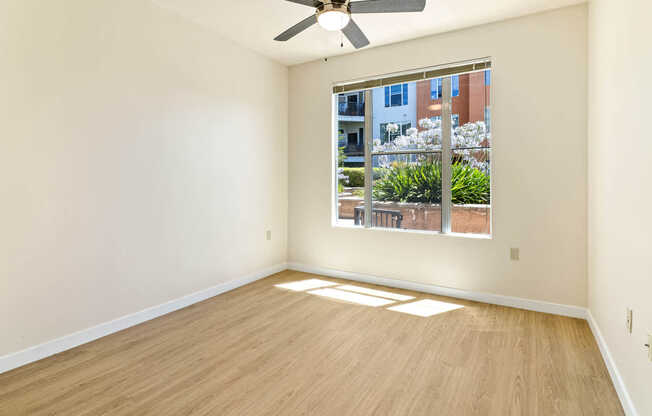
351 109
381 217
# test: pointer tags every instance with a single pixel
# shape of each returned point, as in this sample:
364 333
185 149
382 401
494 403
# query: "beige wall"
539 190
141 159
620 174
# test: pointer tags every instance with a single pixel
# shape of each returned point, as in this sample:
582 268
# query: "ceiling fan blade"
387 6
354 35
298 28
309 3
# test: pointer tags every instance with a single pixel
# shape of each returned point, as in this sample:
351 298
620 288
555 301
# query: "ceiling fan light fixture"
333 20
334 17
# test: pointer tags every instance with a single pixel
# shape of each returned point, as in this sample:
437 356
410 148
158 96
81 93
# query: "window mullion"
446 139
368 148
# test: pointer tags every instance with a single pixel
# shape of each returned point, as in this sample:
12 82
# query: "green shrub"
356 176
410 184
422 183
469 185
341 157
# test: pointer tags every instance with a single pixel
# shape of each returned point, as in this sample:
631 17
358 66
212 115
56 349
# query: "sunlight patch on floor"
351 297
374 292
425 308
370 297
301 285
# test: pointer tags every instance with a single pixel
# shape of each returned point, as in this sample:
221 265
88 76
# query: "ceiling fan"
336 15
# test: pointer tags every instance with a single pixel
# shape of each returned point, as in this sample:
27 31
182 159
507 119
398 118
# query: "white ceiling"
254 23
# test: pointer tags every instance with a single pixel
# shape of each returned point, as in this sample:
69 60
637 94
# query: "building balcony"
351 109
354 150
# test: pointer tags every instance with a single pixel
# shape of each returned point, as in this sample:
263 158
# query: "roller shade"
420 75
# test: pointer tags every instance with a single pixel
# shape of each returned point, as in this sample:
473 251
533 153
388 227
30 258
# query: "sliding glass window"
421 163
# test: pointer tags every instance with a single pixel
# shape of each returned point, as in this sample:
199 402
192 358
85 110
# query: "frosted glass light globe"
333 20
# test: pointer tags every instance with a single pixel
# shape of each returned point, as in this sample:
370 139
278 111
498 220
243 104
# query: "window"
436 87
386 136
432 170
396 95
487 78
455 118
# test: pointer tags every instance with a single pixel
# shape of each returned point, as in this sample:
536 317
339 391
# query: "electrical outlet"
514 253
628 321
268 235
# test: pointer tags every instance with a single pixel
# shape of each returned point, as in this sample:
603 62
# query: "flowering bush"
341 176
391 128
417 178
463 141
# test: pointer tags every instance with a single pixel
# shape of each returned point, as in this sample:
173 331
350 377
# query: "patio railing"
381 217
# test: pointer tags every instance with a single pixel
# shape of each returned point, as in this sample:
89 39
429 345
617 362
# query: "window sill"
406 231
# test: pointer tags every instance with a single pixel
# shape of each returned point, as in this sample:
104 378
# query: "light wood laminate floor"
262 350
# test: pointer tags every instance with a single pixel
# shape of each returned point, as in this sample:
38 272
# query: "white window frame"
446 204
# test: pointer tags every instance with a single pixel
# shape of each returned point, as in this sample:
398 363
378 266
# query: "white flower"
401 141
469 135
426 123
341 176
391 127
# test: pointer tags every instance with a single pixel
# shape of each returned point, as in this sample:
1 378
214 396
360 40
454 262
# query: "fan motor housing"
340 6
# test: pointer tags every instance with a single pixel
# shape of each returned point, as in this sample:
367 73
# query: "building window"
487 78
402 129
455 119
418 174
396 95
436 87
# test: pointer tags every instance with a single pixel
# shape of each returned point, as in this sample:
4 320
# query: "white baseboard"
38 352
617 380
529 304
514 302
